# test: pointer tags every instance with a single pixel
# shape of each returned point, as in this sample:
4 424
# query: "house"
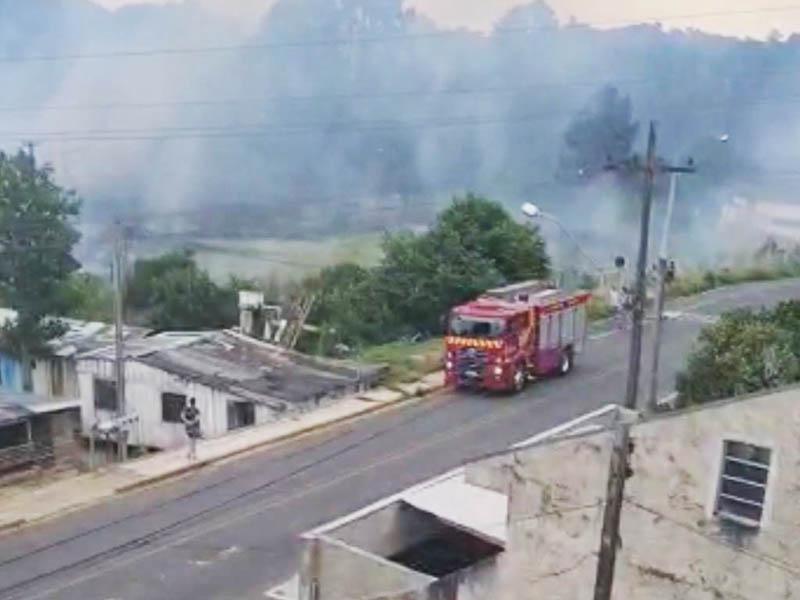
37 432
55 376
711 510
236 381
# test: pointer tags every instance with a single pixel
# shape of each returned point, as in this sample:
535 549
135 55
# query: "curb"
11 525
368 410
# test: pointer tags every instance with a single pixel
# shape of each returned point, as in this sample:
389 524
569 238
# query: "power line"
452 91
258 130
348 41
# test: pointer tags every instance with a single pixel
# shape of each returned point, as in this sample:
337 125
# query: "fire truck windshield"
476 327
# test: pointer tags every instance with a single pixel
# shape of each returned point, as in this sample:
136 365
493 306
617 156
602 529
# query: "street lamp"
532 211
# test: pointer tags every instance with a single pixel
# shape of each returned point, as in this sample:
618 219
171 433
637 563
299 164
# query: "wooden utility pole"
120 252
619 468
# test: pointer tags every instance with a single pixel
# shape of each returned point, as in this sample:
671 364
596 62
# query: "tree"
348 310
422 277
603 132
148 271
88 297
188 299
171 292
485 228
474 245
743 352
37 238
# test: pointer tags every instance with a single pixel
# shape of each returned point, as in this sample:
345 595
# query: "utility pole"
120 260
609 538
621 450
660 298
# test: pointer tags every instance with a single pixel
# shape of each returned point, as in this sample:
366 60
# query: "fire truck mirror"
619 262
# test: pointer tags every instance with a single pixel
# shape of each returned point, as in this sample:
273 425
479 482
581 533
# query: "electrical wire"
388 94
265 130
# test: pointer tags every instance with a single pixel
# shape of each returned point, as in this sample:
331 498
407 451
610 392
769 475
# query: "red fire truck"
511 334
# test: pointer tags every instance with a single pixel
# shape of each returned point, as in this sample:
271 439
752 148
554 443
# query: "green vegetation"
474 245
285 260
37 238
704 280
599 309
407 361
172 292
88 297
744 352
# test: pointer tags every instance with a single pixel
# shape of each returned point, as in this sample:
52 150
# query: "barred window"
743 483
105 394
172 406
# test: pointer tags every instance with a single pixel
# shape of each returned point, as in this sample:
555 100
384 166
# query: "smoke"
352 115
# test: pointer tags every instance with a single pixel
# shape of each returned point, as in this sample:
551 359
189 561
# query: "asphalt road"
230 532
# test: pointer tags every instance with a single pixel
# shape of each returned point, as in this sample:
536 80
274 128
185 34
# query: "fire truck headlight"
498 371
449 365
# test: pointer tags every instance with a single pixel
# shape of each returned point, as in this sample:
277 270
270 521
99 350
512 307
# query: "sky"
743 18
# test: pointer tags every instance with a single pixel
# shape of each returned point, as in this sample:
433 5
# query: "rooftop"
249 368
81 336
12 413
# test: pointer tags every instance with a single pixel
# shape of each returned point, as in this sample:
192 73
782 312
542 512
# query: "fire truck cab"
512 334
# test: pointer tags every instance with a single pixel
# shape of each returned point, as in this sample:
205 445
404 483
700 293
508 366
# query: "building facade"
712 510
55 376
236 382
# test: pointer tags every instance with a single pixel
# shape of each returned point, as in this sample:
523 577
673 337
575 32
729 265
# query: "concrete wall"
389 530
144 386
345 573
673 547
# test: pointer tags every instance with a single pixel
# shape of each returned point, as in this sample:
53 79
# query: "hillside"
335 111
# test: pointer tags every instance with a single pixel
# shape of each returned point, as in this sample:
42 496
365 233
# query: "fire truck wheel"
565 366
520 378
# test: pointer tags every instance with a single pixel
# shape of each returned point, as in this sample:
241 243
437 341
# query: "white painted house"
55 376
236 382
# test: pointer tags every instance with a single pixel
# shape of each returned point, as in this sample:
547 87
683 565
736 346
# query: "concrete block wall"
673 547
342 572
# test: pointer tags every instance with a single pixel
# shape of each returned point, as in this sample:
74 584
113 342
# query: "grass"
407 361
599 309
700 281
285 260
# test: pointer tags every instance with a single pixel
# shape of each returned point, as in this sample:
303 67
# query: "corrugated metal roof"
250 369
81 336
143 346
13 413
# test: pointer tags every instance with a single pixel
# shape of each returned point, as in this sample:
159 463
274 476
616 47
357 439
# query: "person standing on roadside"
191 421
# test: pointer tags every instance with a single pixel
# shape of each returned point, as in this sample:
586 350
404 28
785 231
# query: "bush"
744 352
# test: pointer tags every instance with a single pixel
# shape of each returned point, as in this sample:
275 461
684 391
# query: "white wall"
673 547
42 375
144 386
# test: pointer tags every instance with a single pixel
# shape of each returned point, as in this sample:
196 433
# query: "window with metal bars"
172 406
743 483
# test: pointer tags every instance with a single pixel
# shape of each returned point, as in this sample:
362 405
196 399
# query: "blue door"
10 373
